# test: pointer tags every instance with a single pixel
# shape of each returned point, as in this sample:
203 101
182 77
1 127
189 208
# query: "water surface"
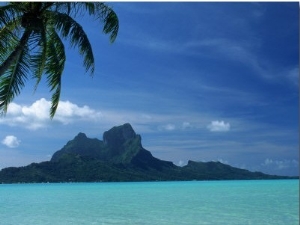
152 203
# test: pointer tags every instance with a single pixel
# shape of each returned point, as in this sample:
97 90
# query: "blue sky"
198 81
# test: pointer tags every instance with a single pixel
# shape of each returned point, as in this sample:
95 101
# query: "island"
119 157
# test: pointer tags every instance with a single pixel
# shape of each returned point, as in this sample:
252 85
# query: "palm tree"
31 42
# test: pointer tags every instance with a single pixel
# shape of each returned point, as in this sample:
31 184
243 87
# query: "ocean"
151 203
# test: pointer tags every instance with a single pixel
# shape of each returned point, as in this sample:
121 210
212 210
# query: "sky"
198 81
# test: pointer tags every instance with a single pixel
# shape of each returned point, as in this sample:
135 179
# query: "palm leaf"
69 28
38 60
110 19
54 68
98 10
111 25
13 80
15 53
9 12
9 37
8 41
74 9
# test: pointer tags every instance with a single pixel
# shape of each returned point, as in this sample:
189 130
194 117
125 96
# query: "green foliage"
31 36
14 80
75 168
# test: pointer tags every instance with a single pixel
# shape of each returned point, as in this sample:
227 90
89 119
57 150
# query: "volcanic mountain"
120 156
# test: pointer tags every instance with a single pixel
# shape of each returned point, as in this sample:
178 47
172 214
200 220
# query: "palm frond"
54 68
8 39
98 10
63 7
9 12
14 79
69 28
46 6
111 25
75 9
38 60
111 22
13 55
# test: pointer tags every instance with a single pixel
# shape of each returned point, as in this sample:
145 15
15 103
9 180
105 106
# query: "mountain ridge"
120 156
120 145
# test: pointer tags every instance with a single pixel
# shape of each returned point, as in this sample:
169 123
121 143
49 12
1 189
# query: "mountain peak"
81 135
120 145
80 145
118 135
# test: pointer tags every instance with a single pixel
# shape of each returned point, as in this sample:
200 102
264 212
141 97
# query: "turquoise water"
195 202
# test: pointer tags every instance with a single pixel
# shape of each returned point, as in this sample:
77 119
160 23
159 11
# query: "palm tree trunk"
14 55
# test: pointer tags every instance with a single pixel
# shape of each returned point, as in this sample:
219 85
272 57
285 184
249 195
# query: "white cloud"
11 141
181 163
146 117
218 126
67 112
169 127
293 76
223 161
14 109
280 164
186 125
36 116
